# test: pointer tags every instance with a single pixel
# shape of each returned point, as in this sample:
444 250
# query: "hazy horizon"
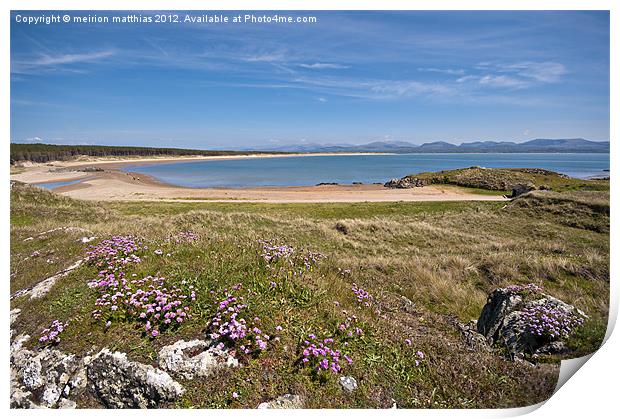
326 144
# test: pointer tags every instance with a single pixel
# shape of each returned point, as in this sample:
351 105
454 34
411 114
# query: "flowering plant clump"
326 354
349 327
362 296
550 322
52 334
115 253
524 289
321 355
311 259
419 358
151 300
273 253
230 327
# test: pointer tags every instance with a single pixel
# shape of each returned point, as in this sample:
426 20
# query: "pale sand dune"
114 185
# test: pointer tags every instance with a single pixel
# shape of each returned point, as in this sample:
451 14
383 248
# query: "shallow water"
310 170
54 185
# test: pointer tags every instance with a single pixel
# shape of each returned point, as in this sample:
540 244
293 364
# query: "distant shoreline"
115 161
112 184
104 178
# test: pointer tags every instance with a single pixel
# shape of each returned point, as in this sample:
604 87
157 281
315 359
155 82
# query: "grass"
503 180
442 256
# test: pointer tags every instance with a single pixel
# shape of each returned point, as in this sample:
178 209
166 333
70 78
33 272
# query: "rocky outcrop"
44 286
14 315
474 340
522 188
526 321
404 183
45 378
120 383
348 384
288 401
194 359
48 378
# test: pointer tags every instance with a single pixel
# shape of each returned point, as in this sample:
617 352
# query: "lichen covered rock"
41 379
120 383
288 401
194 359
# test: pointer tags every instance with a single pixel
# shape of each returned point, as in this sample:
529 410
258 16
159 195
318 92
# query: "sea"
306 170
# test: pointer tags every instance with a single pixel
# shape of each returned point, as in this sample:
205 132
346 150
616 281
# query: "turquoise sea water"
310 170
54 185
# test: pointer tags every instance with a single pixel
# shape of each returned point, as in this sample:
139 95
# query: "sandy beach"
112 184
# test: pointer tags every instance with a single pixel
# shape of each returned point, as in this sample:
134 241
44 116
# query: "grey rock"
67 404
348 383
474 340
407 305
14 315
556 347
17 350
120 383
520 189
43 287
503 321
89 169
20 398
288 401
499 303
404 183
51 371
31 373
194 359
42 377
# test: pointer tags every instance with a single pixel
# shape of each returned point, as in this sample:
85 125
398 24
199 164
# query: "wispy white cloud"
72 58
541 72
274 57
521 75
324 66
545 72
47 62
407 88
449 71
502 81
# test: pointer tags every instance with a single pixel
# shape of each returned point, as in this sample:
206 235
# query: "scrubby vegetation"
503 180
372 288
43 153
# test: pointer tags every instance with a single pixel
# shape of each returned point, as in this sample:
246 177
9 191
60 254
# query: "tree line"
43 153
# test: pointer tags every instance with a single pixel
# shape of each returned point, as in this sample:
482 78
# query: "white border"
593 390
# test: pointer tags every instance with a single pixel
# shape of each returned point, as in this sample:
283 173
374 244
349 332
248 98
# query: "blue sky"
352 77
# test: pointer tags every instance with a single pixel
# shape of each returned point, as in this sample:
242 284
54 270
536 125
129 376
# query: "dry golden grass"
443 257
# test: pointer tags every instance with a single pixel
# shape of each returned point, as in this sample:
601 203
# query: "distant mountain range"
541 145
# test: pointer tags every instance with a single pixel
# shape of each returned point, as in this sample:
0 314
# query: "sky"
349 78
